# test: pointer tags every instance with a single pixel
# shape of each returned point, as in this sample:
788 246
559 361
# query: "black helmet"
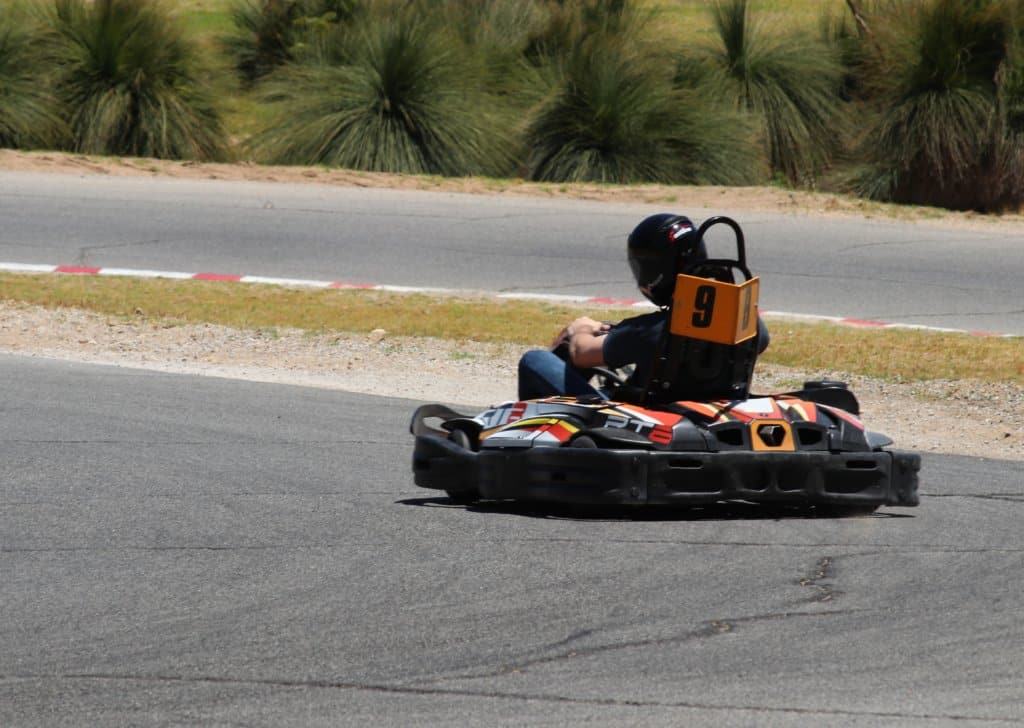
658 248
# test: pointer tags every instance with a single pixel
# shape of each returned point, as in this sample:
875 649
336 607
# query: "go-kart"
662 442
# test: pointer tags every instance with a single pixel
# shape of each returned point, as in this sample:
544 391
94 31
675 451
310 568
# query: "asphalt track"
876 270
197 551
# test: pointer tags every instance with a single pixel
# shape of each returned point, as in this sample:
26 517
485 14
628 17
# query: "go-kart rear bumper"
645 477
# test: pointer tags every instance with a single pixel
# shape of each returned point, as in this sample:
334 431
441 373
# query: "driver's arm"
585 337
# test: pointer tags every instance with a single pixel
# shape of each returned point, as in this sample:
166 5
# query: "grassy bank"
895 354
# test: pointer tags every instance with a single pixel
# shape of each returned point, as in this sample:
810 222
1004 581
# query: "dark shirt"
636 340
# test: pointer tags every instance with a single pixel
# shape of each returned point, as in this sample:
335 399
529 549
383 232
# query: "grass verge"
893 354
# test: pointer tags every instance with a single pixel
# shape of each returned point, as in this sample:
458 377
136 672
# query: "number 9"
704 307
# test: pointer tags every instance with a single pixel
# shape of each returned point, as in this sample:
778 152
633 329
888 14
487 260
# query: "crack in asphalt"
504 695
709 628
84 251
1010 497
824 569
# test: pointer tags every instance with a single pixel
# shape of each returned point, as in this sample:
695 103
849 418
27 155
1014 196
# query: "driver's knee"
534 360
541 374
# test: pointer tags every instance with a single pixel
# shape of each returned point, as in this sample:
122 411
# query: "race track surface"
195 551
927 274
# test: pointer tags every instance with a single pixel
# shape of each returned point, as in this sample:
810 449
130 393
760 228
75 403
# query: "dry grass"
895 354
255 306
898 354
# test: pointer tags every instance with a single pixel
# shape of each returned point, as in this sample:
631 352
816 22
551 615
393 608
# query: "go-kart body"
778 448
659 443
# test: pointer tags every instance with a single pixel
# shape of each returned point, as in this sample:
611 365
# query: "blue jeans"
542 374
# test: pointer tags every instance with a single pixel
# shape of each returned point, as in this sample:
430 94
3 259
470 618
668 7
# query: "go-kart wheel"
585 441
461 497
460 438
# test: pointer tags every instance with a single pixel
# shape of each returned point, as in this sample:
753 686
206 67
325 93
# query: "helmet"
658 249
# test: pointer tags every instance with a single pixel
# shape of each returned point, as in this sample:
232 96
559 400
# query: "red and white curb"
342 285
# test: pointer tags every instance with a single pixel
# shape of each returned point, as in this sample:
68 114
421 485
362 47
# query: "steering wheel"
607 379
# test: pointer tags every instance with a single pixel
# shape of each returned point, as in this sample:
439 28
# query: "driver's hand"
582 325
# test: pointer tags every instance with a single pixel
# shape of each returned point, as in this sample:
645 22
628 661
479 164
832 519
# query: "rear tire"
584 441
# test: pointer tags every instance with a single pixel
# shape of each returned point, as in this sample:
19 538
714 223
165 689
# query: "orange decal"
771 435
562 431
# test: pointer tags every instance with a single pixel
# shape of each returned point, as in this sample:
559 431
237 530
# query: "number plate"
710 310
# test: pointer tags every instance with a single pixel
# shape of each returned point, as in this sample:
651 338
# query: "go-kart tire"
462 497
584 441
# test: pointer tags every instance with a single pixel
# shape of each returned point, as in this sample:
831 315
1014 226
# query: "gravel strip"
961 417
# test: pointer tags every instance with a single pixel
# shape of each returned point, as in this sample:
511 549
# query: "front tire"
461 439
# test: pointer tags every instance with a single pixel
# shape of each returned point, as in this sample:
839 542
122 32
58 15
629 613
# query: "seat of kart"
693 370
713 338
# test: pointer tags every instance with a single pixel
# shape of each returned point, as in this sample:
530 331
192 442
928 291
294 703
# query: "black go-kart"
657 443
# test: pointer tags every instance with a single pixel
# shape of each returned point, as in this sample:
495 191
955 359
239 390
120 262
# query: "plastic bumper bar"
642 477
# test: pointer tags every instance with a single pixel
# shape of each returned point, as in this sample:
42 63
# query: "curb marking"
551 297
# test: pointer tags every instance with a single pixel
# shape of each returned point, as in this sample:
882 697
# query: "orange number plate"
710 310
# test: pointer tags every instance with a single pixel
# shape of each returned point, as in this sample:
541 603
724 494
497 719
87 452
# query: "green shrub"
267 31
262 39
498 34
567 24
616 117
129 82
392 93
29 117
943 97
789 82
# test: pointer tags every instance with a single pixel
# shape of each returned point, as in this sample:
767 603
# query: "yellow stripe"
532 421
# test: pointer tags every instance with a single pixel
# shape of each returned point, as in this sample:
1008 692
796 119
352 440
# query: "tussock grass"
131 82
894 354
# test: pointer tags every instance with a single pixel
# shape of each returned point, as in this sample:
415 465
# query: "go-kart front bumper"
660 477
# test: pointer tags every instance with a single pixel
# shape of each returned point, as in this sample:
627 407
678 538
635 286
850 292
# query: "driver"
656 250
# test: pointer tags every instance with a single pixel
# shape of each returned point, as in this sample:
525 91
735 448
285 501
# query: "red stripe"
860 322
353 285
662 434
76 269
612 301
215 277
